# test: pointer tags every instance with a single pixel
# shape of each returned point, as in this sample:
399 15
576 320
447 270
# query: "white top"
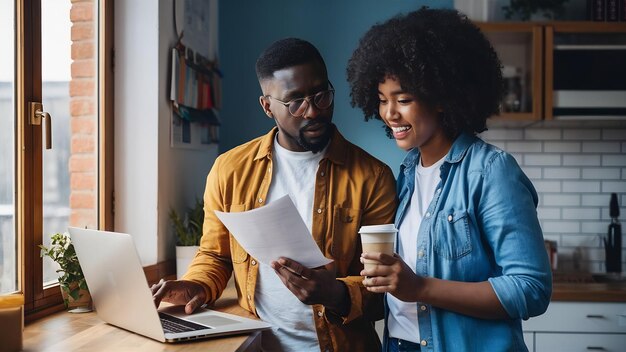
402 322
293 325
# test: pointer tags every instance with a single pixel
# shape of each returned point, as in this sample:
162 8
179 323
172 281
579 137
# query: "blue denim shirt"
481 225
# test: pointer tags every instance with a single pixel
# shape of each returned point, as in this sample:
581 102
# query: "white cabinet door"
552 342
529 339
580 317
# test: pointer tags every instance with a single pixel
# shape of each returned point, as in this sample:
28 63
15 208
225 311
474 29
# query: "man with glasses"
336 187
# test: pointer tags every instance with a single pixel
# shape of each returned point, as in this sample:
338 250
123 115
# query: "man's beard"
320 142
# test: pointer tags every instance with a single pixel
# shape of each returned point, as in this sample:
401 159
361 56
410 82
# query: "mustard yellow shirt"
352 189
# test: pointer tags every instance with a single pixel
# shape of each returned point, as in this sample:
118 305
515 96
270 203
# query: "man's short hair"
286 53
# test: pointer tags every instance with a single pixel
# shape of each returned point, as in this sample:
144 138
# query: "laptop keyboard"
172 324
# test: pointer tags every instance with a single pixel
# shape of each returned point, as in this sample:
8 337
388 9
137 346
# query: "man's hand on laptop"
178 292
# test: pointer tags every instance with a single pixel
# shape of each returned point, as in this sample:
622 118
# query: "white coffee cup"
377 238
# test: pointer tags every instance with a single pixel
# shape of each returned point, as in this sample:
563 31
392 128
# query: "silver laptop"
122 297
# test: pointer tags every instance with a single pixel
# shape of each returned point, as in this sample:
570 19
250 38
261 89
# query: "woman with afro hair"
470 262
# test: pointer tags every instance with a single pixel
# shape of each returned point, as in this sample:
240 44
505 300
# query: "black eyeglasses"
297 107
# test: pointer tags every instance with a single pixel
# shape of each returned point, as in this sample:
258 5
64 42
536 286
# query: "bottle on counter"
613 241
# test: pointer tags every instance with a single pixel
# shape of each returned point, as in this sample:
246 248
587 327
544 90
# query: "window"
8 239
63 61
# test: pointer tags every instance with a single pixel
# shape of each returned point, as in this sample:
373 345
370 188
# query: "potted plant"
188 231
71 279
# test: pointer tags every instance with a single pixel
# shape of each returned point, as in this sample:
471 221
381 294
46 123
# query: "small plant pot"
82 305
184 256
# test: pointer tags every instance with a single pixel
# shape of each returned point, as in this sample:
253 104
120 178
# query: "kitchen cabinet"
520 49
592 59
529 339
578 326
579 342
527 52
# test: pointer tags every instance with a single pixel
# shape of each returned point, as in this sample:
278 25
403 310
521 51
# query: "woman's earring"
269 114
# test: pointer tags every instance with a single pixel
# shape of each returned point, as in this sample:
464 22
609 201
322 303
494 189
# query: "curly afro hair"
438 56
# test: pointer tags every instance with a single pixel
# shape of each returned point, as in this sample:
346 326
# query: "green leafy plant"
188 230
71 278
526 8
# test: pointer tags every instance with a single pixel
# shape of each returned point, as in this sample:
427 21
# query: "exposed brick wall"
575 170
83 165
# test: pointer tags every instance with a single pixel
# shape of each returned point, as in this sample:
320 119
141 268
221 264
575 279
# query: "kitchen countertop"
587 287
589 292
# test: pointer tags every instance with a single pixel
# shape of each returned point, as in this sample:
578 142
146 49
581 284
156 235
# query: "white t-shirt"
402 321
293 325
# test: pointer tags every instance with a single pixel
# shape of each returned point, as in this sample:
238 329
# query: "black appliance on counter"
613 241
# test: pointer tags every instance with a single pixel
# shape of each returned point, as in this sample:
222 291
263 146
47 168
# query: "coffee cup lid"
378 228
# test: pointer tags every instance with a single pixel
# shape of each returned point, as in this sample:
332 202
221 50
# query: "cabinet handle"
598 316
595 348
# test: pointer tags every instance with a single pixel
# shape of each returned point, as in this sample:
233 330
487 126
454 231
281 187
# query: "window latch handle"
37 115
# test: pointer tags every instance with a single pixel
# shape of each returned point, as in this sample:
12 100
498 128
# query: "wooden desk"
65 331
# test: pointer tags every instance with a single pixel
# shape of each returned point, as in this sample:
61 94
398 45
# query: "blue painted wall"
247 27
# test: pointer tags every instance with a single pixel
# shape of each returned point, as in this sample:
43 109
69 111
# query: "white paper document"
272 231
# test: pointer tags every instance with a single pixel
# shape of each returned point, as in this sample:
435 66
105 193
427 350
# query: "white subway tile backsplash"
594 227
549 237
560 226
614 186
581 134
581 213
499 144
581 186
582 160
562 147
601 147
574 170
566 253
580 259
597 200
580 241
613 134
572 200
614 160
549 213
542 159
595 254
547 186
561 173
601 173
519 157
606 213
523 147
532 172
542 134
598 267
502 134
595 267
